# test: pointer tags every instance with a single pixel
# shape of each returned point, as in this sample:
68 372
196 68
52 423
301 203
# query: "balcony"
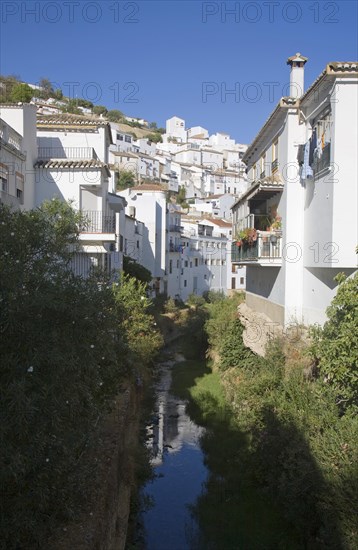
205 230
265 251
274 165
176 229
70 153
175 247
98 225
11 140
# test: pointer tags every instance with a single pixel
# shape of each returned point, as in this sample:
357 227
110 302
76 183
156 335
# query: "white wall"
23 120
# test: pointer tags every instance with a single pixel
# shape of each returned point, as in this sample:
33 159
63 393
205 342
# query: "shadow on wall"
262 286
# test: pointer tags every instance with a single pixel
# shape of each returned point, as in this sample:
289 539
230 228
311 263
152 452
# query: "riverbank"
280 454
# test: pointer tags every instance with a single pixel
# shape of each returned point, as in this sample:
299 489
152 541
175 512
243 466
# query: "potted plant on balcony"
249 236
276 224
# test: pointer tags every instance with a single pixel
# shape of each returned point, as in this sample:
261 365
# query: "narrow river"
180 472
200 497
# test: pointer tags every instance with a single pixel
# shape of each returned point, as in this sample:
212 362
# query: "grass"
231 513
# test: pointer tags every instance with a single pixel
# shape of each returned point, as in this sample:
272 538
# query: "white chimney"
297 75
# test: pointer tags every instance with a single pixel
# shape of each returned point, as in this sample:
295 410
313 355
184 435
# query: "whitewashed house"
161 238
18 154
72 164
197 132
216 206
175 130
12 166
302 201
122 142
204 263
134 234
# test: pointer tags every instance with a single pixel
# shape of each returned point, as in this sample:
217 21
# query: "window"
4 174
19 178
185 282
119 137
274 150
121 243
128 139
205 277
186 263
196 262
170 266
242 280
137 244
274 163
263 165
177 264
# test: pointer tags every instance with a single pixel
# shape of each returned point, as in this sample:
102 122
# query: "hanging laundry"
322 141
318 151
307 171
313 145
300 154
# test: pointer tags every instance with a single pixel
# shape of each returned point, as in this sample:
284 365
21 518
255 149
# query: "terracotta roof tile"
148 187
66 164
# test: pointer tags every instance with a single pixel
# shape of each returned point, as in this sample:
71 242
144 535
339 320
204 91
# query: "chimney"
297 63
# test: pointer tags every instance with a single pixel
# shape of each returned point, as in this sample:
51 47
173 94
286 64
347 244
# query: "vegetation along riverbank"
286 427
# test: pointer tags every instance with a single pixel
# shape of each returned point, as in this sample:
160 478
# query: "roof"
333 69
123 154
345 68
69 119
72 164
148 187
213 197
211 151
265 188
277 114
220 223
225 173
65 121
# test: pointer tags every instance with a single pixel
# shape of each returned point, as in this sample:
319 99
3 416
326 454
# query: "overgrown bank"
74 352
296 410
281 444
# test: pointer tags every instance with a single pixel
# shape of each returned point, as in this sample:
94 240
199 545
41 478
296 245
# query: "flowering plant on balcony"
246 237
276 224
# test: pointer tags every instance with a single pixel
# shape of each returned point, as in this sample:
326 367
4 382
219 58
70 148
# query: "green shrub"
336 344
66 345
195 301
232 351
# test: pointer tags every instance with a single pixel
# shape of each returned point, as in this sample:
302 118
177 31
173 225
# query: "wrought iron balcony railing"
268 246
71 153
97 221
176 228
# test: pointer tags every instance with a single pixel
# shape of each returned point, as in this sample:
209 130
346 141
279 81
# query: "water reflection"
180 472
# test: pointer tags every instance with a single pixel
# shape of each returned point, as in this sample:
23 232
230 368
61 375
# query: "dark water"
201 497
179 468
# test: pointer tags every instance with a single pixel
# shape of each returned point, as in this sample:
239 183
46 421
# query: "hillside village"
222 368
202 212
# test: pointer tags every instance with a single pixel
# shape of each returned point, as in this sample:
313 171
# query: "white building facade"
303 172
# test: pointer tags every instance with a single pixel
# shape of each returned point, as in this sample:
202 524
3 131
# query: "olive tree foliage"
335 345
65 346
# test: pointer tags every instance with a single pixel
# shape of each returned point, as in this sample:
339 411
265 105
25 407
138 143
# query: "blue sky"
156 59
